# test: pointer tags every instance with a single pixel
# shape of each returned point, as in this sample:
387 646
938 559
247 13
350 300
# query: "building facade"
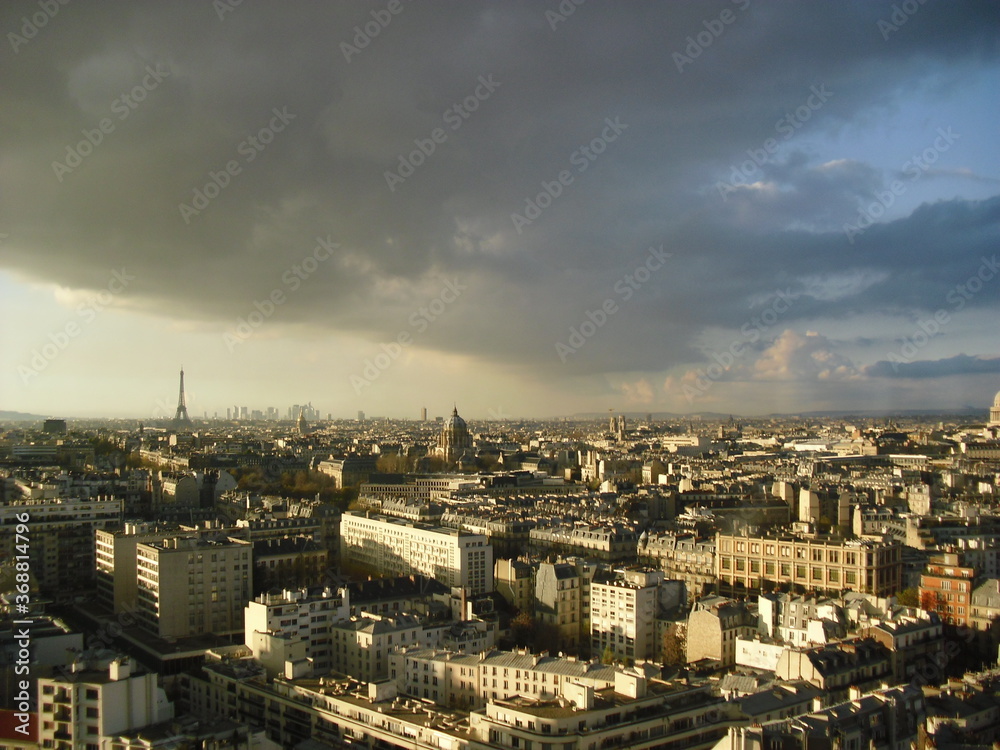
829 564
193 586
623 609
97 699
946 588
391 546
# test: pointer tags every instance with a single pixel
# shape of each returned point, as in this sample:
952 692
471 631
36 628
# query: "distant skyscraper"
361 416
181 418
423 414
54 426
303 426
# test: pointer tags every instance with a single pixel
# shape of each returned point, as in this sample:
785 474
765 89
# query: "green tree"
908 598
608 657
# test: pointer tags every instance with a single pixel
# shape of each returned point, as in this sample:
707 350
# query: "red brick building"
946 588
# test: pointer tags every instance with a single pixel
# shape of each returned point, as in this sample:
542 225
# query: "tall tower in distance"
181 418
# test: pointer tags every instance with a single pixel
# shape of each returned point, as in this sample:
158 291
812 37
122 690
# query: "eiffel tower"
181 418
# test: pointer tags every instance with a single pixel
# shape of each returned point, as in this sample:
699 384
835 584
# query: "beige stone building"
515 582
559 602
830 564
713 627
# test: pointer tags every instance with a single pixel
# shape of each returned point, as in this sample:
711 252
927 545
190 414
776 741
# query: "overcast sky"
745 207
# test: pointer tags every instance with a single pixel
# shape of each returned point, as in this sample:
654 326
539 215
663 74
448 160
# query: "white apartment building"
457 680
193 586
623 608
100 698
114 557
272 623
392 546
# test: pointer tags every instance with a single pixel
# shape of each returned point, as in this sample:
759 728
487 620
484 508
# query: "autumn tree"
674 646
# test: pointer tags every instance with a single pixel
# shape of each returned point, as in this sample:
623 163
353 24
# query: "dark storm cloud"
960 364
228 84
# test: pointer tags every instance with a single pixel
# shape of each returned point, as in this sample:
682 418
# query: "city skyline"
725 207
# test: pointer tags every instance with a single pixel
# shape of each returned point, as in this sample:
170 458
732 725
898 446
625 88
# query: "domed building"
455 440
995 411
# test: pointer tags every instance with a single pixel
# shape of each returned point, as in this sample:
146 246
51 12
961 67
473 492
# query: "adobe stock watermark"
787 126
60 340
454 117
581 158
419 320
750 333
47 10
624 289
915 167
366 32
292 279
497 414
957 297
249 148
225 7
901 13
123 106
562 12
714 28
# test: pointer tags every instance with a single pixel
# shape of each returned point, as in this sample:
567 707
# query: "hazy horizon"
733 207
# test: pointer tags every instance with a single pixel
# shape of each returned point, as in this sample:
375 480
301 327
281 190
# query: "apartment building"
62 537
682 557
274 622
360 646
391 546
799 620
623 610
636 712
829 564
115 555
514 582
946 588
457 680
559 602
608 543
193 586
883 720
985 602
714 625
101 696
836 668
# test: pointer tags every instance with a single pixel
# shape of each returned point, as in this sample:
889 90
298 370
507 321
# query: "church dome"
456 421
996 401
455 439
